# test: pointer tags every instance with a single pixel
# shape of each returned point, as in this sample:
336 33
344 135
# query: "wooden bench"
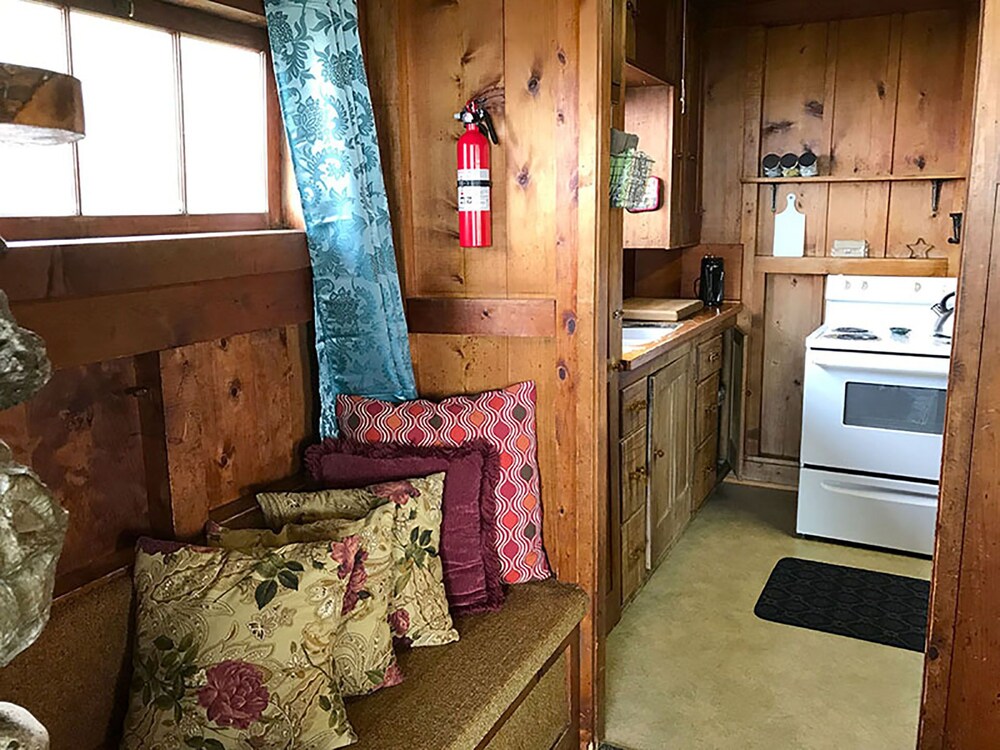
511 682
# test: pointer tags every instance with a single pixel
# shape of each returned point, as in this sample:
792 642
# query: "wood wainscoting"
184 381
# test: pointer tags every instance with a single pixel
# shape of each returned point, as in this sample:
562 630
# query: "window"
176 125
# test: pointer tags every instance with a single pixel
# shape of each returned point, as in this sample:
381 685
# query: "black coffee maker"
709 286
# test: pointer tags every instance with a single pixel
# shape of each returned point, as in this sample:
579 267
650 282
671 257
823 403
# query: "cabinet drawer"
705 469
709 357
633 554
706 408
634 475
634 405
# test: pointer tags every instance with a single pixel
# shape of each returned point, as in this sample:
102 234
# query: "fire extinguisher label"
473 190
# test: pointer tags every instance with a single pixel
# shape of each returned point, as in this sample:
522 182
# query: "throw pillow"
234 649
468 526
418 609
506 418
365 551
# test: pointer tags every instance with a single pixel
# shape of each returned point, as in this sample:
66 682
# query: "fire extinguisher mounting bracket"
475 111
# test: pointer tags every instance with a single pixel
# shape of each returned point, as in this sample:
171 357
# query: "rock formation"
24 366
32 529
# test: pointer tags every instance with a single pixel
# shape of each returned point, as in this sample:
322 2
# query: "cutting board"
789 231
653 308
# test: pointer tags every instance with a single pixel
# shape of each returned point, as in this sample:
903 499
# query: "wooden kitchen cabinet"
706 411
671 437
633 555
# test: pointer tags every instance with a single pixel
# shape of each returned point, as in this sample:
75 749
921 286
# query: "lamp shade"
39 106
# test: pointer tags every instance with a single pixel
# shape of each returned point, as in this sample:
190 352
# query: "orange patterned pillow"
506 419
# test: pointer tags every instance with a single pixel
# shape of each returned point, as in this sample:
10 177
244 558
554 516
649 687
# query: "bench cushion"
453 695
74 679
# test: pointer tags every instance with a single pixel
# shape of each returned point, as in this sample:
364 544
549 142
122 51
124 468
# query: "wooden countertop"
706 321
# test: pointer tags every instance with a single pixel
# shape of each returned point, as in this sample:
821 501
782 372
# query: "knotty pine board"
238 413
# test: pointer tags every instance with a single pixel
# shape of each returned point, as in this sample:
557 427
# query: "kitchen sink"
636 336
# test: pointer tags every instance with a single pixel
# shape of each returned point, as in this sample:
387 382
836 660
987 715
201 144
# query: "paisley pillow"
418 611
365 552
234 649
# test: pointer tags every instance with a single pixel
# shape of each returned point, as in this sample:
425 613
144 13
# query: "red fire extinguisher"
474 218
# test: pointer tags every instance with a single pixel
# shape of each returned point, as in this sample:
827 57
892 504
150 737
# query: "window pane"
225 136
35 180
129 160
895 407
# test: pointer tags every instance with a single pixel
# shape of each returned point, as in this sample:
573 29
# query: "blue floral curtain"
361 339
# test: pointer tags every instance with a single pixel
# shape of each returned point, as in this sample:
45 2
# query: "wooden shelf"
636 76
837 178
813 265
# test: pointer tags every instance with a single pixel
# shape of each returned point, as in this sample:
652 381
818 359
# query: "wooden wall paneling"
732 258
35 271
531 61
867 78
82 434
795 117
136 322
386 53
236 419
725 53
812 199
583 156
488 317
958 709
751 318
455 53
793 309
784 12
655 273
858 211
929 113
910 218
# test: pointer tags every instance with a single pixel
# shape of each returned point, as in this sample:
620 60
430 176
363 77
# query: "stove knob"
916 287
847 285
864 284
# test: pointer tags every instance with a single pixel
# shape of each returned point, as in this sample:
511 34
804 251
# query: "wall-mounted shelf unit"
636 76
851 178
818 265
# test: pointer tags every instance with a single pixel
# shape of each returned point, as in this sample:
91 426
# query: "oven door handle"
889 495
907 365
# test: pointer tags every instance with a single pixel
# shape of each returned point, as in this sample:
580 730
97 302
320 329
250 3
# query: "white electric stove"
876 378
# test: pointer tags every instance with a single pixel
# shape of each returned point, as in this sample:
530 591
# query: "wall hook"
956 229
774 197
935 196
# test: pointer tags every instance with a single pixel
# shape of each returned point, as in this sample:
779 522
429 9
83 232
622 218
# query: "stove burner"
850 333
852 336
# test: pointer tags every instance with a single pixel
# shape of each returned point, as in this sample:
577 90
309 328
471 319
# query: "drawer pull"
638 475
711 408
637 406
658 453
714 356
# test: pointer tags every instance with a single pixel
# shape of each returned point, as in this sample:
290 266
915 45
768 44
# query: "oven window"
895 407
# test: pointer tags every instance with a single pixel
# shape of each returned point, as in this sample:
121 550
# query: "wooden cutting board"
652 308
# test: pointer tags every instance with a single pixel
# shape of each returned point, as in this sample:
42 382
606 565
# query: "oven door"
874 413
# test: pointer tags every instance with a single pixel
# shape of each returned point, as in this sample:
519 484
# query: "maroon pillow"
468 526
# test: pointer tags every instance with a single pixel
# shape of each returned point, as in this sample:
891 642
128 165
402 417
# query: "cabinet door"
671 446
634 474
633 554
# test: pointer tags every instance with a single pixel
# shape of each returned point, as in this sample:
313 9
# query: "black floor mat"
864 604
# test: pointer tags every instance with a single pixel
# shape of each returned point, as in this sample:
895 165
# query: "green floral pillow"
418 610
365 551
234 649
